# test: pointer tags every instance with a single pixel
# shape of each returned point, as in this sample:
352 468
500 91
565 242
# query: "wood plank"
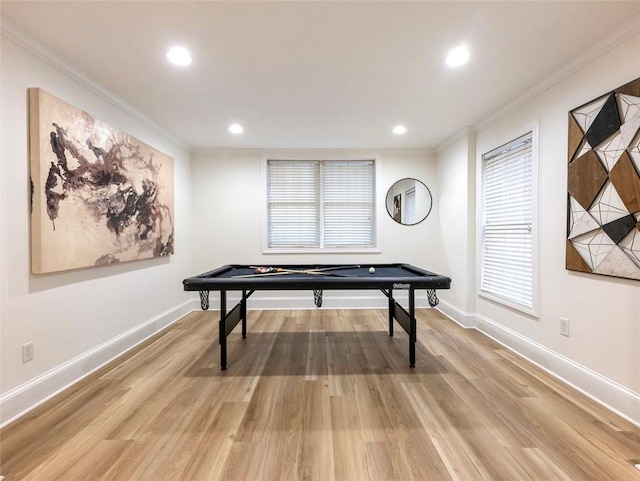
320 395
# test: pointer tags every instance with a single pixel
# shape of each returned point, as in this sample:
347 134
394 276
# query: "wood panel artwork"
603 222
99 196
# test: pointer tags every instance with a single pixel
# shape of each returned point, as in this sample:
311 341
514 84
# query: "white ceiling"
320 74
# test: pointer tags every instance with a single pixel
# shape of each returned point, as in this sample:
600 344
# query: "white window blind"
321 204
410 206
293 199
507 269
348 204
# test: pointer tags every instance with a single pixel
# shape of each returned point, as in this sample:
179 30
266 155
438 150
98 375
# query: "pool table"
317 277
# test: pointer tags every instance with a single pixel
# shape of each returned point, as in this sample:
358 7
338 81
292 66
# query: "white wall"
77 319
229 194
602 354
456 207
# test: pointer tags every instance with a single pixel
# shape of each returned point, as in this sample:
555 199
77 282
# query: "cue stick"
317 271
282 271
335 268
262 274
300 271
311 271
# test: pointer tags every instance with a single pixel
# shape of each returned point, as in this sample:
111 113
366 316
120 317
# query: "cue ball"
372 270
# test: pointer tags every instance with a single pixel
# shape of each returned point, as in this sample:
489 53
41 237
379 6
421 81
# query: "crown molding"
17 36
300 151
463 133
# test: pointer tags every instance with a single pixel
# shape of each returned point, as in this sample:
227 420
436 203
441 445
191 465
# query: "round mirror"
408 201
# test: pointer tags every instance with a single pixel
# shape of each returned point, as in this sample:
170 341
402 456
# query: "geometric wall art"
603 202
98 195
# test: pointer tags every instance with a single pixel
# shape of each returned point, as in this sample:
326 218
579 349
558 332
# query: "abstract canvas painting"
98 195
603 207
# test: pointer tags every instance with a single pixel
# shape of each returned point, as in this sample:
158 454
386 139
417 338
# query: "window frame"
305 156
532 310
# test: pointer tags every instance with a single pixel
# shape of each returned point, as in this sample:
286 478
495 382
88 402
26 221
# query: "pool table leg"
413 328
391 312
243 314
222 332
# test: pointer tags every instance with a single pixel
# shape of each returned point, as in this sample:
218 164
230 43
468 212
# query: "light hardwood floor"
321 395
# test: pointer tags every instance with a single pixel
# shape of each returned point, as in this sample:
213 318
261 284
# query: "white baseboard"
465 319
613 396
31 394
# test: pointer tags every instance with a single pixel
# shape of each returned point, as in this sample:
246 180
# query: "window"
410 206
508 225
320 204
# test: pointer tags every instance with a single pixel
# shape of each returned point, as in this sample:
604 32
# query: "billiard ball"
372 270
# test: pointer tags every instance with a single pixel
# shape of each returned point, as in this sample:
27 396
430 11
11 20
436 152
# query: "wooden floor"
321 395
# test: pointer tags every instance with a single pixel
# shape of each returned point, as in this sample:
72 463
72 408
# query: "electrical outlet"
27 352
564 326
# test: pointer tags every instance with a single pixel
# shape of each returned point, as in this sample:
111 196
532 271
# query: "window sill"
334 250
530 311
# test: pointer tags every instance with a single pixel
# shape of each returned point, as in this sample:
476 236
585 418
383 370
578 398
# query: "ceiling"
307 75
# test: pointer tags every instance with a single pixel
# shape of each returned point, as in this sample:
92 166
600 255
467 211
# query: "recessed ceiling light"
458 56
179 56
236 129
399 129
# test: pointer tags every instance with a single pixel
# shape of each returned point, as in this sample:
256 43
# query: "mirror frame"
389 202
